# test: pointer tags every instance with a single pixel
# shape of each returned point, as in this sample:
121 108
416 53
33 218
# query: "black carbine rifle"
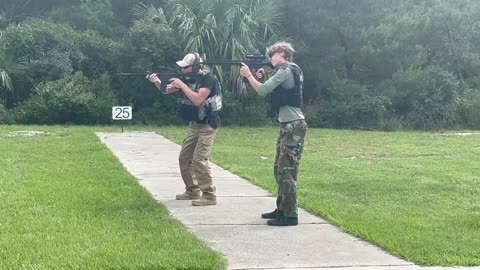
253 61
166 77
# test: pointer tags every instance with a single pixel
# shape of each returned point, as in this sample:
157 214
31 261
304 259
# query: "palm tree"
225 29
9 66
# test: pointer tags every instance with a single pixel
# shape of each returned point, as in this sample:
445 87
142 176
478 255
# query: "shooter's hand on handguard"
168 89
152 77
245 71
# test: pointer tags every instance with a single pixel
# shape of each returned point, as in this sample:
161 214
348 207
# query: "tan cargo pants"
193 159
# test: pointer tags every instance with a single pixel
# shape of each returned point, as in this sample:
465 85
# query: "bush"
349 105
55 52
245 111
51 49
158 114
73 101
6 117
101 108
426 98
470 108
95 15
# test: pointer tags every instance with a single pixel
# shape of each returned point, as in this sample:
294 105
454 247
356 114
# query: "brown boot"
205 201
187 195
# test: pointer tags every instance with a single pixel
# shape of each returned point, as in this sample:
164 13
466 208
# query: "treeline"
369 64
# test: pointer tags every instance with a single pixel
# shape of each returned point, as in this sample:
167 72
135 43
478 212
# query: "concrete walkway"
234 227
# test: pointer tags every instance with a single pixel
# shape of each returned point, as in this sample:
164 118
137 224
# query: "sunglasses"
272 54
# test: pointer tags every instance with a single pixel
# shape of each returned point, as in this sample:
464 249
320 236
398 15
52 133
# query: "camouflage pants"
289 152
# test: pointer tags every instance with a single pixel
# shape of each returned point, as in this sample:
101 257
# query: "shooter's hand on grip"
261 74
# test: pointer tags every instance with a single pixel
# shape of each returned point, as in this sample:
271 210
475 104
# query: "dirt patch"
27 133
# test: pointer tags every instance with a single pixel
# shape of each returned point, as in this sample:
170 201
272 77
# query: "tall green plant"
226 29
9 66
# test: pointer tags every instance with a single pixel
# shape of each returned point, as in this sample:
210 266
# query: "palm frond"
9 66
149 13
6 81
227 29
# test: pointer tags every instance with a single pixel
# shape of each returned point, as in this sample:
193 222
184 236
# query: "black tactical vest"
293 97
208 113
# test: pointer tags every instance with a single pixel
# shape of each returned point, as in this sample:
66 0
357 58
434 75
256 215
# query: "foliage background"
368 64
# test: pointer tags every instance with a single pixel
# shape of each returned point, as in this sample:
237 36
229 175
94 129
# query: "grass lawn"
67 203
416 194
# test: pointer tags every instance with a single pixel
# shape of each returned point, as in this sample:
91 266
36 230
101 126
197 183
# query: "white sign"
121 113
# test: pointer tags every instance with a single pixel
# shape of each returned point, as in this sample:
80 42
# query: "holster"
213 119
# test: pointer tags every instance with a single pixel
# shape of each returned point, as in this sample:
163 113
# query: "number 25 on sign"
121 113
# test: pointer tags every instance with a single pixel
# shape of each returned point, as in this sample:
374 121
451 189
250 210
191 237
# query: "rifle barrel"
233 62
131 74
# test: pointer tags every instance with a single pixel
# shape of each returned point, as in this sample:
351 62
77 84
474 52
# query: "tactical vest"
208 113
282 96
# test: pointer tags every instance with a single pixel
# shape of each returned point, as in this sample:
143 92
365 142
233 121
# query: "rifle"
253 61
166 77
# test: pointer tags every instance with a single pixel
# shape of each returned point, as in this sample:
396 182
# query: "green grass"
67 203
415 194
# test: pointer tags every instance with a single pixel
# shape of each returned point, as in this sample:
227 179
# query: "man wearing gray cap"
201 111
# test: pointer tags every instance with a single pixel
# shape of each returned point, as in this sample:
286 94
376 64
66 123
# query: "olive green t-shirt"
283 76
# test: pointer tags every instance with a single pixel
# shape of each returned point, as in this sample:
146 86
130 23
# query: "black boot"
283 221
273 215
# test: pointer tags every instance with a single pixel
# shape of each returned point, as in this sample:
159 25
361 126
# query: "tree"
14 11
226 29
9 67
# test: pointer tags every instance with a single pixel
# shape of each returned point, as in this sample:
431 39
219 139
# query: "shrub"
158 114
470 108
76 101
56 51
105 99
6 117
427 98
245 111
349 105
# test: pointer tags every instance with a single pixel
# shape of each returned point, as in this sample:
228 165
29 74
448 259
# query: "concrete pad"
402 267
317 245
243 238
